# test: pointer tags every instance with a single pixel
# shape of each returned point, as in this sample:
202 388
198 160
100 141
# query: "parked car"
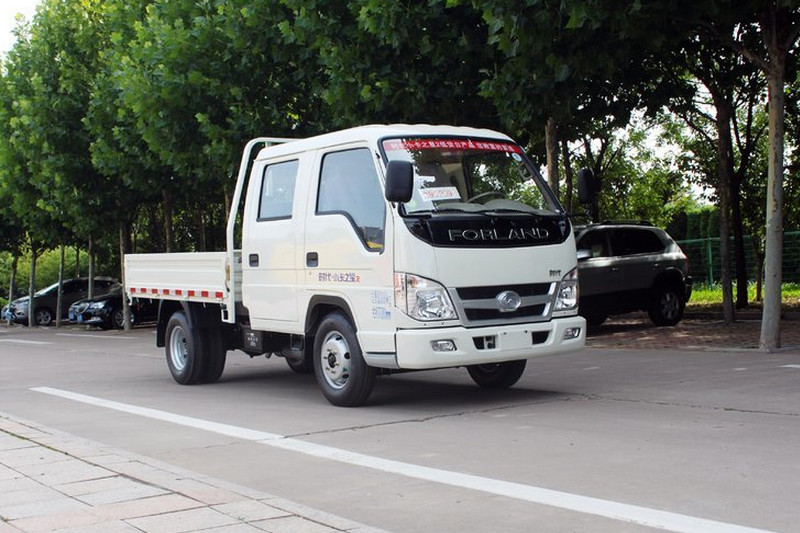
631 266
45 301
106 310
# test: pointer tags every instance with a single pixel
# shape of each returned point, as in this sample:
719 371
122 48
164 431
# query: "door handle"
312 259
253 260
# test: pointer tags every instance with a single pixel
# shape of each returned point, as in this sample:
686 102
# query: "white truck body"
437 281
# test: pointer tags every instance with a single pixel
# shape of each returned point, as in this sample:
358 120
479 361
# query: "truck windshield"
471 175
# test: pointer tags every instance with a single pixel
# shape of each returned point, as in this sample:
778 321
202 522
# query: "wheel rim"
119 318
178 349
335 360
670 305
43 317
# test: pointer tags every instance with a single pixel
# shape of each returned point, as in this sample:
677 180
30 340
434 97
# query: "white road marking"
634 514
91 336
790 366
20 341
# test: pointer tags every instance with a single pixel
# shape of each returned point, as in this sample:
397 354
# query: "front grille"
496 314
478 306
482 293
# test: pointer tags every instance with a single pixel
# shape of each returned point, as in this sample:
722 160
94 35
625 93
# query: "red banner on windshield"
452 144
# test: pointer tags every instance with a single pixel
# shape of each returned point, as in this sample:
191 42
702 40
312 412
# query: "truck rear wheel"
342 373
215 355
497 375
183 350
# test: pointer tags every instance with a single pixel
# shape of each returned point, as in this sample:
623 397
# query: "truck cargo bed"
194 276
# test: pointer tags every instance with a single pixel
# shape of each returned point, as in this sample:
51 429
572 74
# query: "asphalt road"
599 441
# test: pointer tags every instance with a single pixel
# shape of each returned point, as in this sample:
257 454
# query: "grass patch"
710 296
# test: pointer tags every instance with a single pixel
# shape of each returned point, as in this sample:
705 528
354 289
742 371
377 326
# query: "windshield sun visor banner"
454 144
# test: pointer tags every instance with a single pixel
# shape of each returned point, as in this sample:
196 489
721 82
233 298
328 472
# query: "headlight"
567 298
422 299
22 305
98 305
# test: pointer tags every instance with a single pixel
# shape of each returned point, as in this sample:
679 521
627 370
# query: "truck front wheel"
497 375
184 356
342 373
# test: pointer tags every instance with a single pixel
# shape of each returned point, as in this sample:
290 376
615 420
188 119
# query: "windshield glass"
471 175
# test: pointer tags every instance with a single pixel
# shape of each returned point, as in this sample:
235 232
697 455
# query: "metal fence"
705 265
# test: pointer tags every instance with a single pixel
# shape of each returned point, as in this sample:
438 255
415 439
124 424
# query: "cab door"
271 236
347 245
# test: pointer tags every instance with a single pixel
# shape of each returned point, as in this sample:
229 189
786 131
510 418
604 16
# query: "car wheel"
667 307
497 375
344 377
43 317
215 355
596 320
304 365
118 318
183 350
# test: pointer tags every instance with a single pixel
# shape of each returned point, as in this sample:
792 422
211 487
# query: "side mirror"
588 186
399 181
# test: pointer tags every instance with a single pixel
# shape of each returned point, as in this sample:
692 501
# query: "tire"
667 306
182 347
43 317
215 355
301 366
342 373
118 318
596 320
497 375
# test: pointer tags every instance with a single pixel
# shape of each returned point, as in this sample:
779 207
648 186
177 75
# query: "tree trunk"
124 246
551 142
77 261
169 236
60 297
31 290
738 241
12 285
773 249
91 267
568 176
724 174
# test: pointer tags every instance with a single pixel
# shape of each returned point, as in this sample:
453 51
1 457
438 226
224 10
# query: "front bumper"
495 344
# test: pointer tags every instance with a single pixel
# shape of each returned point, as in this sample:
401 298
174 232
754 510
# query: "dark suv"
631 266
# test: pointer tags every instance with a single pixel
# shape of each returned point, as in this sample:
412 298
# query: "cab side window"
348 185
277 190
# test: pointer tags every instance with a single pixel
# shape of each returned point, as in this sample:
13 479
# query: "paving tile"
31 455
182 521
114 489
293 524
76 518
147 506
31 494
68 471
250 511
236 528
40 508
8 473
5 527
117 526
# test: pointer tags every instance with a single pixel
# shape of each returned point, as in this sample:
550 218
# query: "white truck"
375 250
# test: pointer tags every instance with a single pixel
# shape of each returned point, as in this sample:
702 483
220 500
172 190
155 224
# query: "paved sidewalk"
54 482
